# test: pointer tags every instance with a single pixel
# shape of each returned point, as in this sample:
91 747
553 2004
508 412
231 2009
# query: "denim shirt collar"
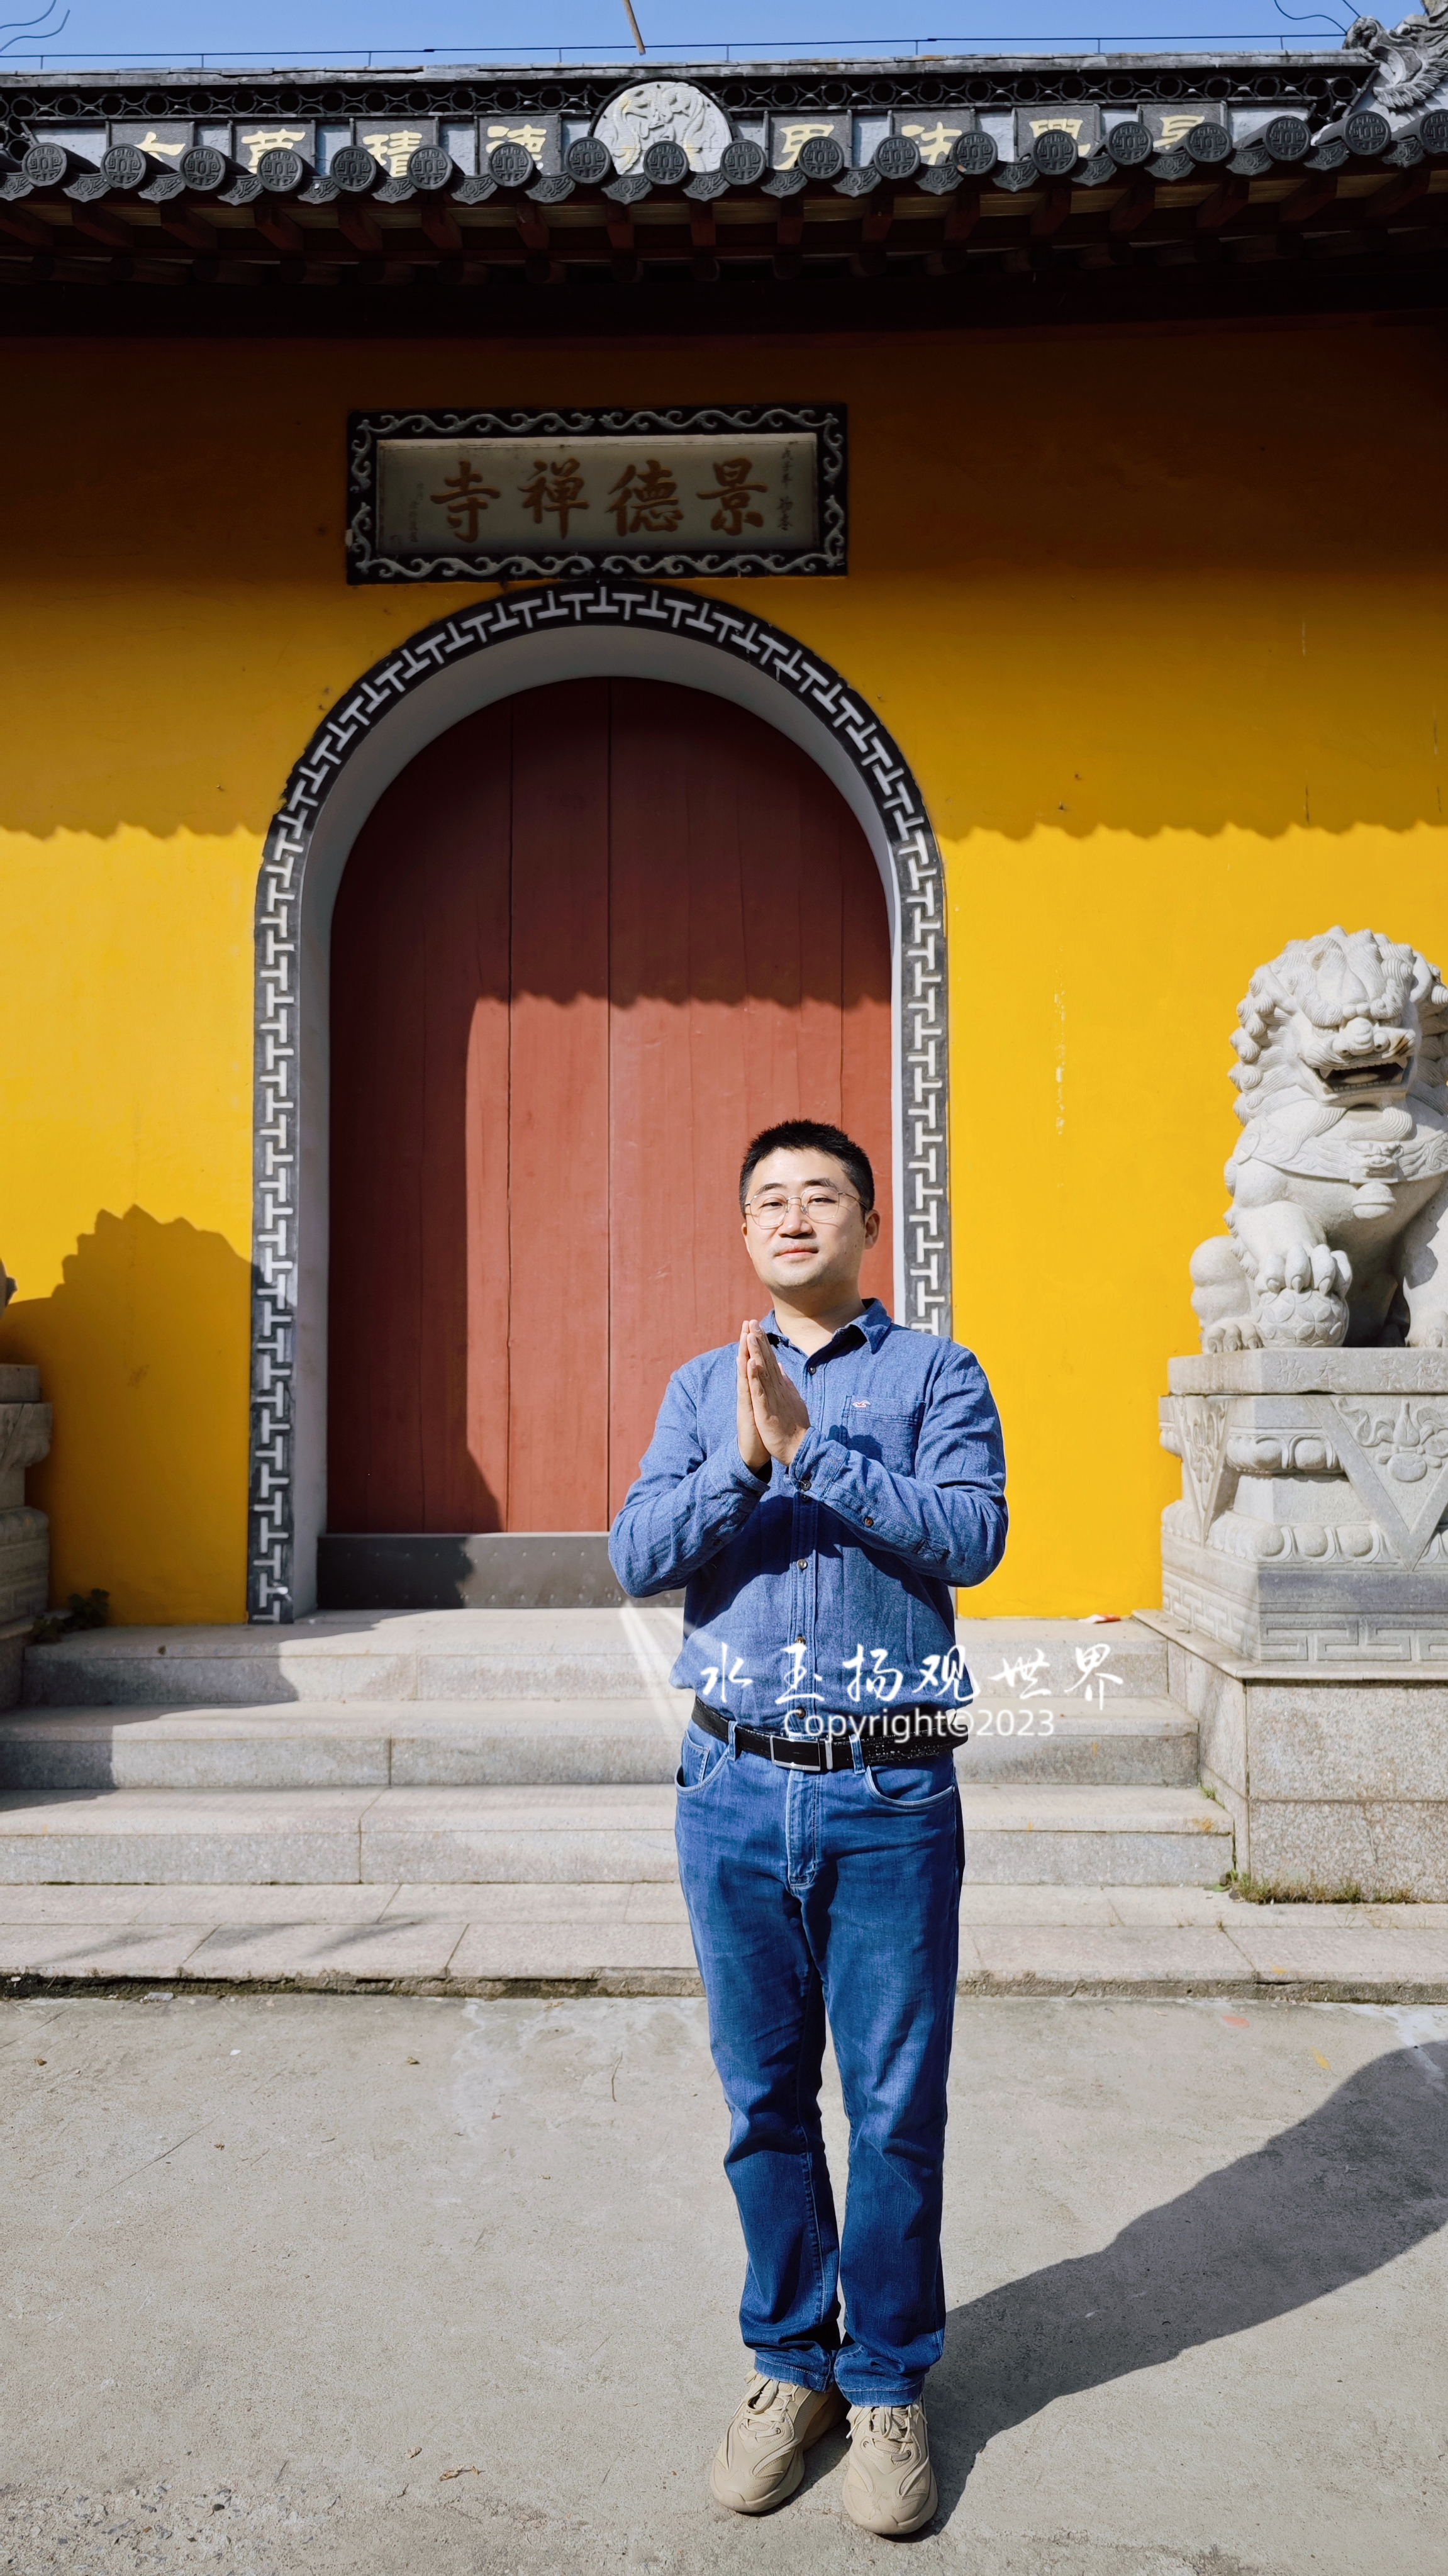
871 1327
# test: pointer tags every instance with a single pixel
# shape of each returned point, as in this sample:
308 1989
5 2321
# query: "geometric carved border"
649 558
597 605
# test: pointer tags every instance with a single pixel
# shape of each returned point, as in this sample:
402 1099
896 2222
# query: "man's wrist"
801 1453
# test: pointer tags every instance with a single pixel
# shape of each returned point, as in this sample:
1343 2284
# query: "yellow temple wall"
1157 618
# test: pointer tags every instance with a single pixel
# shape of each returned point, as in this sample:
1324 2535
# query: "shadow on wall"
1344 2192
142 1352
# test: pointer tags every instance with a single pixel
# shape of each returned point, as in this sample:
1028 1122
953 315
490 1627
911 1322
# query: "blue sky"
160 31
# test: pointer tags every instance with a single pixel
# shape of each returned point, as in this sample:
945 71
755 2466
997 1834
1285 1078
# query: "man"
820 1489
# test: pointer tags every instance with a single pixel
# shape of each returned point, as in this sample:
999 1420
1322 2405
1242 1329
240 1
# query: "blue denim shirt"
823 1587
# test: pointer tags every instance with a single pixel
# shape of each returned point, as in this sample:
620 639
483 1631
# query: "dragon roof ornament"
1412 60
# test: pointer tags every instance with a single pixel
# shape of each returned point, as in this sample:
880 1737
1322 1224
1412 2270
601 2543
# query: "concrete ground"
409 2285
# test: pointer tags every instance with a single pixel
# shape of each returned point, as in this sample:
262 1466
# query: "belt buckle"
799 1746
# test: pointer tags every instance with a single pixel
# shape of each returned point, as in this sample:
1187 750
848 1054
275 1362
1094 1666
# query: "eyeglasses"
821 1206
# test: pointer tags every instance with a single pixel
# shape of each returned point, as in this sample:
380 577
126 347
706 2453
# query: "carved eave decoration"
896 191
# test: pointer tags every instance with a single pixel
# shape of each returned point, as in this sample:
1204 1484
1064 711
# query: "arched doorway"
587 942
588 626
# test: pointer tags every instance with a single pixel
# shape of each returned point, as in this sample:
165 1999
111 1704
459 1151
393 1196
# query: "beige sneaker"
889 2482
761 2458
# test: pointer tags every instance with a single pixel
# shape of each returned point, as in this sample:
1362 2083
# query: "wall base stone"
24 1532
24 1563
1333 1779
14 1636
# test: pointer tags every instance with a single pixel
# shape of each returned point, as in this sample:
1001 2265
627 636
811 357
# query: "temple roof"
727 197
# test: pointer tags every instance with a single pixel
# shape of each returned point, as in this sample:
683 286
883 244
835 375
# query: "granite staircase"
534 1750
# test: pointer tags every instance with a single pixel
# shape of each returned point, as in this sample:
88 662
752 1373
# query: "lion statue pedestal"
1305 1568
1314 1493
24 1532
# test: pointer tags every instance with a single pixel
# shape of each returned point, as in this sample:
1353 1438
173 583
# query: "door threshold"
461 1570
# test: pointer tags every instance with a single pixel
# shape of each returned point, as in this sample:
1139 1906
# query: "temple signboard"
483 496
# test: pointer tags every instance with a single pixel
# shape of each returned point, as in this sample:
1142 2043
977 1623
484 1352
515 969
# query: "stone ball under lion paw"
1431 1334
1301 1319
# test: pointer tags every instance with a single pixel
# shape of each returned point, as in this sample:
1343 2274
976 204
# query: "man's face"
817 1240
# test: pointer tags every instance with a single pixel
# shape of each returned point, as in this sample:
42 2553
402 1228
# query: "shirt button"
800 1563
869 1524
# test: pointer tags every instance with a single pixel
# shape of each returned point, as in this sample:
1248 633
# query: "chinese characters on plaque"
584 495
742 498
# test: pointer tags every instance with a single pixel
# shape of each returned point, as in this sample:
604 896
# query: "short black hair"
811 1136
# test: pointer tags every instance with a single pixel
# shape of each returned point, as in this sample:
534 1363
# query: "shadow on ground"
1357 2183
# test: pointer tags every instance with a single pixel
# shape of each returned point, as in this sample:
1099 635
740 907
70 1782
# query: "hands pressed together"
773 1416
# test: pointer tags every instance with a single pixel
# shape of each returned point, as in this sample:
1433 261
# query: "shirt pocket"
885 1432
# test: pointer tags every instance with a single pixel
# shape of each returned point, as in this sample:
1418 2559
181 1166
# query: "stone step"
1136 1743
1084 1837
524 1743
1049 1835
323 1744
305 1836
633 1938
391 1656
387 1656
1113 1659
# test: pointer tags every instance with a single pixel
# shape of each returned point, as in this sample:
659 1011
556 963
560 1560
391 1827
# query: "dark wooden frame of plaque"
366 429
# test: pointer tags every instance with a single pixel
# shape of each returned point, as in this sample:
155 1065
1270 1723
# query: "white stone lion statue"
1339 1215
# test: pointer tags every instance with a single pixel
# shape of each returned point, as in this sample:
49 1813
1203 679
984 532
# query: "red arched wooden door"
587 944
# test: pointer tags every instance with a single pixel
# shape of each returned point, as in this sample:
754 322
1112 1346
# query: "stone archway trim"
922 1072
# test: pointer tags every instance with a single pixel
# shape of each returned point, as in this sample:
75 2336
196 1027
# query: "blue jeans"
812 1893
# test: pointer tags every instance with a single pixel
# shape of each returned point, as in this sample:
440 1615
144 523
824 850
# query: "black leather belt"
906 1735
